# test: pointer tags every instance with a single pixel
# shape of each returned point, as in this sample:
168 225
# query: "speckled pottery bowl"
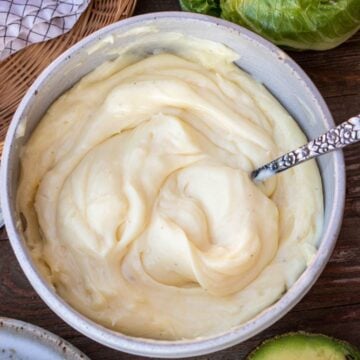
21 340
264 61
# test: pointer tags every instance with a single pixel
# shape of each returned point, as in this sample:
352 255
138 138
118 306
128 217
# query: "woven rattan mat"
19 71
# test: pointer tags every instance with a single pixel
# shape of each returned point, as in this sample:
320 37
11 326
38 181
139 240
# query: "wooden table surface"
332 306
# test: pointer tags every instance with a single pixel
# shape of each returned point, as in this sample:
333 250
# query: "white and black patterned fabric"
24 22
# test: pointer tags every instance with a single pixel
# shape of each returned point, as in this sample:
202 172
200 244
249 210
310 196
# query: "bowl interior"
263 61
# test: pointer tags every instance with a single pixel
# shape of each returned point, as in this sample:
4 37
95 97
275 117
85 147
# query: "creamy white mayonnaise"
136 193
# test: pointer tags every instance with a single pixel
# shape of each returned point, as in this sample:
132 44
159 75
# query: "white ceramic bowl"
265 62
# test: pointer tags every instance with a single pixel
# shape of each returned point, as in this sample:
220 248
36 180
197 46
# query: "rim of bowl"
178 348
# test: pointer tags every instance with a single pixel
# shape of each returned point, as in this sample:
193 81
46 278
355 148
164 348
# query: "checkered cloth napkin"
24 22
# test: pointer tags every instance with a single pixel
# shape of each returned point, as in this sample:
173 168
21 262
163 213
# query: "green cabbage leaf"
208 7
297 24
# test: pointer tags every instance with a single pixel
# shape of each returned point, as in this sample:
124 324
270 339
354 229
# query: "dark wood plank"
331 307
146 6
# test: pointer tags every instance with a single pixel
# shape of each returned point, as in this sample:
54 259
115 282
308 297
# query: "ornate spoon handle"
345 134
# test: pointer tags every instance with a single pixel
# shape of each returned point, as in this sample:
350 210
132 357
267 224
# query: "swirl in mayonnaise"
136 192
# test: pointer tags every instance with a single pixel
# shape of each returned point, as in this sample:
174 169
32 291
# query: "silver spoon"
342 135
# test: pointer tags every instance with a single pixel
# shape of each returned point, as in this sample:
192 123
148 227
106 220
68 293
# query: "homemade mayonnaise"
137 201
